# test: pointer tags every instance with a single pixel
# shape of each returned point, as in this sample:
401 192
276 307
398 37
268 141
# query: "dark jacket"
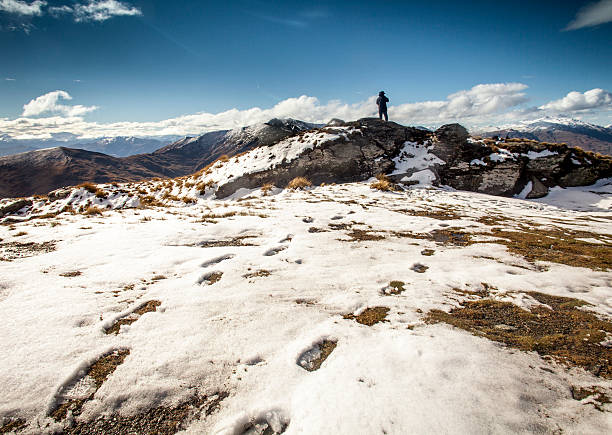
381 102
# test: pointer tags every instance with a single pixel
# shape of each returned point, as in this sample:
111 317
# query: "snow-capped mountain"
119 146
574 132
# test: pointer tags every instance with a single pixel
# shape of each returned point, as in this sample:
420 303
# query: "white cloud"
481 100
484 104
20 7
102 10
9 79
592 15
576 101
48 103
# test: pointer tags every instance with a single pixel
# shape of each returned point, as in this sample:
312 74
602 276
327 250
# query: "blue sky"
148 66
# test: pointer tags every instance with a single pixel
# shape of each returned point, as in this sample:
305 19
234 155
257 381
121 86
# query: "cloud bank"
576 101
483 104
592 15
92 10
19 7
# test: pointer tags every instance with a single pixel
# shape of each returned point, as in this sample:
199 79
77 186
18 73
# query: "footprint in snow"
274 251
312 358
81 387
335 218
287 239
267 423
210 278
217 260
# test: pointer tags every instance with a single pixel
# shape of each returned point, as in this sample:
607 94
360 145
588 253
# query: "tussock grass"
299 183
267 188
383 183
92 211
370 316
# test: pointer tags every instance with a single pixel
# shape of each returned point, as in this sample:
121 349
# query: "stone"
15 207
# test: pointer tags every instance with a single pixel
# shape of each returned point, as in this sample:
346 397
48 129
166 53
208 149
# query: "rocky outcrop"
367 147
363 149
14 207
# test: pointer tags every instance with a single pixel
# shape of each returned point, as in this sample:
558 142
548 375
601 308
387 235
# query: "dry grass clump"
92 211
383 183
150 201
201 186
90 187
71 274
370 316
395 288
261 273
566 333
13 425
267 188
299 183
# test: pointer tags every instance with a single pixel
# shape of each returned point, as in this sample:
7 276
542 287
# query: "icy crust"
414 156
245 334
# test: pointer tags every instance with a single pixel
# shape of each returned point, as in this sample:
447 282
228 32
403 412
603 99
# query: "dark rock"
15 207
538 189
335 122
448 142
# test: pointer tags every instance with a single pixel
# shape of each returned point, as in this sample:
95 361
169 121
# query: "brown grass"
92 211
267 188
90 187
150 201
71 274
299 183
557 246
257 274
565 333
395 288
383 183
13 425
370 316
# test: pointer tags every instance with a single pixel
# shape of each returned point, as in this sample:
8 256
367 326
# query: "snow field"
244 335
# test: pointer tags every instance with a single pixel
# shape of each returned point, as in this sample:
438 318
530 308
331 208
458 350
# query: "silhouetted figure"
381 102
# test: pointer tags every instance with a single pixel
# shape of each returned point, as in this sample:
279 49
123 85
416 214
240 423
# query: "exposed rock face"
493 167
14 207
365 152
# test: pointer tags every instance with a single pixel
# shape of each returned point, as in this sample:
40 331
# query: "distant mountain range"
40 171
120 146
573 132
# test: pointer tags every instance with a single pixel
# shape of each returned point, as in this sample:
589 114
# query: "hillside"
575 133
40 171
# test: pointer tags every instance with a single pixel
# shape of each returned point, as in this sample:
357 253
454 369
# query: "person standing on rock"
381 102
